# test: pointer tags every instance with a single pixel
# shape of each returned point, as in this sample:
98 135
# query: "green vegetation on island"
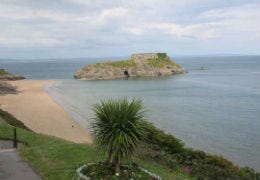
5 75
161 62
122 63
140 65
4 72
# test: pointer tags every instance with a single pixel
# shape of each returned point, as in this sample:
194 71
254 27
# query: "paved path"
12 167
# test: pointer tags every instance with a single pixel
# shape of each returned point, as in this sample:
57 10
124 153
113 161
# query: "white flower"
117 174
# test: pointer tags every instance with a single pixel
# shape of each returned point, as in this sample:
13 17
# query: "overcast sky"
92 28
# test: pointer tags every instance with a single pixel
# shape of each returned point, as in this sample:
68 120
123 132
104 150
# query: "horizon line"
103 57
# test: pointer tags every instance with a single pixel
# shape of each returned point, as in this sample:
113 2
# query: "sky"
93 28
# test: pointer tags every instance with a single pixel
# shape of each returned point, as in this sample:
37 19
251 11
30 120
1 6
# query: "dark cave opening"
126 74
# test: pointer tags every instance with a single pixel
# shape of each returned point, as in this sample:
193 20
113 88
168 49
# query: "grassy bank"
163 154
54 158
9 119
169 151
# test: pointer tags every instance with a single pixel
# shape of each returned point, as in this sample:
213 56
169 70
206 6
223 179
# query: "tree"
118 128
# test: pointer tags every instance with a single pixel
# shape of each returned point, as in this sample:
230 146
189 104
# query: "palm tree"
118 127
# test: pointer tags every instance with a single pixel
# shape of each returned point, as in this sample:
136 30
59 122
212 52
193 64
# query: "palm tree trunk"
110 157
117 164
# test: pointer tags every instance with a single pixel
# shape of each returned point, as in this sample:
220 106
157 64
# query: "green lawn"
117 64
9 119
122 63
54 158
162 62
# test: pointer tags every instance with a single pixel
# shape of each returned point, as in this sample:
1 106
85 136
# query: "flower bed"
104 170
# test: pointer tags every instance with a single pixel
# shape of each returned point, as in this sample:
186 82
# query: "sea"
216 109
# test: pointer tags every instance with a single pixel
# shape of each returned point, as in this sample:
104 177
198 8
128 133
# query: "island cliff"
140 65
7 76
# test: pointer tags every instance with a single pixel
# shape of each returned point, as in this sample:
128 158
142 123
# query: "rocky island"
140 65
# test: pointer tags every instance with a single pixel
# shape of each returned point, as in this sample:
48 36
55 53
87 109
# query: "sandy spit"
37 110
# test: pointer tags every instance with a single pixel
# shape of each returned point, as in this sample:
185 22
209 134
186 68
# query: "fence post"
15 138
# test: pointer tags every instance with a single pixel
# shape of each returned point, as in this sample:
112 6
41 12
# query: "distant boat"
202 68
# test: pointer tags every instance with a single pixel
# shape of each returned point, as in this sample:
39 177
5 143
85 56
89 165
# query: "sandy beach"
37 110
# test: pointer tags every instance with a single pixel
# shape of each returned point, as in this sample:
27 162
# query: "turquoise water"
216 110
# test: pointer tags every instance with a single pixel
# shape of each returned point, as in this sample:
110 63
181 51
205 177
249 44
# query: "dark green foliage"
10 119
118 127
4 72
161 55
54 158
158 137
167 150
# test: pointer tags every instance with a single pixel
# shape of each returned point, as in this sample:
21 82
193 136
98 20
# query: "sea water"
216 109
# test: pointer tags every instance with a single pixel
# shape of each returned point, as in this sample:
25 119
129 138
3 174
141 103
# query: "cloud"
202 31
129 25
217 23
239 21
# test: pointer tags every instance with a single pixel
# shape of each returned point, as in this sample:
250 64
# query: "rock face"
7 76
6 88
140 65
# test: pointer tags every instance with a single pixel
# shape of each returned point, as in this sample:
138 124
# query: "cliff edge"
140 65
7 76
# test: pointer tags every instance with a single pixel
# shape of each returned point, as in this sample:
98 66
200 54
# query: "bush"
161 55
166 142
167 150
4 72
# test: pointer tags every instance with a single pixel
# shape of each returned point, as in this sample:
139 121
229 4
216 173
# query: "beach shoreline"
36 108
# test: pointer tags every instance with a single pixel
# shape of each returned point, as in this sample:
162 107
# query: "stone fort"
143 56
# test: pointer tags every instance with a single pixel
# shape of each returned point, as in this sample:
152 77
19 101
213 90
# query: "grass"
162 171
51 157
162 55
122 63
54 158
118 64
162 61
9 119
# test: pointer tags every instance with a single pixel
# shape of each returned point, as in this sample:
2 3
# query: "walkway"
12 167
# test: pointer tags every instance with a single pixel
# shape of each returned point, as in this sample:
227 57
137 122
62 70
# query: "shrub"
167 142
170 151
118 128
161 55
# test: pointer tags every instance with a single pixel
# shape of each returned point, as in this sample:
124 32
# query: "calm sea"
216 110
